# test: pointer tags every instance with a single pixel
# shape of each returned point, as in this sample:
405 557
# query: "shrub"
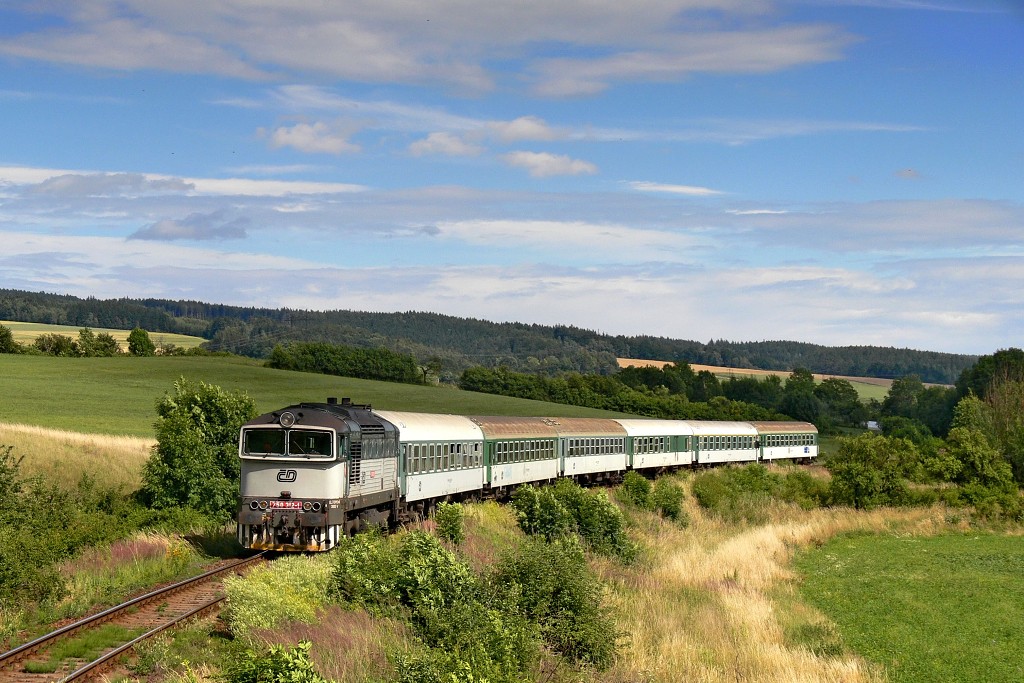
139 343
667 500
868 471
292 588
450 523
551 583
279 665
740 493
44 525
636 489
7 342
566 507
53 344
475 636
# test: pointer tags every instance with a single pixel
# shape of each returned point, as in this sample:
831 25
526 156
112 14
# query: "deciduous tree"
195 462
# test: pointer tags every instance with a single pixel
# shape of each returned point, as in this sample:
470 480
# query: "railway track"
135 621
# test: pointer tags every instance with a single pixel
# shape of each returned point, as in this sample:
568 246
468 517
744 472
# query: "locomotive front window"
263 442
283 443
309 443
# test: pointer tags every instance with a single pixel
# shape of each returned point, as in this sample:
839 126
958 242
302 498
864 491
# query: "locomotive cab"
312 472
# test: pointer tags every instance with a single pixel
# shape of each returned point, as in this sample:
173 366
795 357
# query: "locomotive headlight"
253 505
263 505
287 419
316 506
307 506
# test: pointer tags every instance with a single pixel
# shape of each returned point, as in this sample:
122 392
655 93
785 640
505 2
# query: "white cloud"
314 138
92 182
678 55
128 44
611 243
447 42
689 190
524 128
445 144
195 226
544 164
828 305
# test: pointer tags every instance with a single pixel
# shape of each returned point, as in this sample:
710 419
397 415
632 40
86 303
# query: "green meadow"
119 395
940 608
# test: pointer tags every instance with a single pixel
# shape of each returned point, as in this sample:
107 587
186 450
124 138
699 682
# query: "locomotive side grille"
355 463
371 430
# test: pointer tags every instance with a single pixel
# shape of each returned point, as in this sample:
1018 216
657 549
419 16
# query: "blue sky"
830 172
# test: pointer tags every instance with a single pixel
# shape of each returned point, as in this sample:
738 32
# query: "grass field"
118 395
26 333
943 608
867 387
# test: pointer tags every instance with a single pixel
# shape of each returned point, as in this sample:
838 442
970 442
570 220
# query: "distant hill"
459 343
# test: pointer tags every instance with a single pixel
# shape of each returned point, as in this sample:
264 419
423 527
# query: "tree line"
462 343
88 344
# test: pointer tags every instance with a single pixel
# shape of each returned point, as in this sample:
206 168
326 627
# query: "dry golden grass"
723 371
706 604
349 646
63 457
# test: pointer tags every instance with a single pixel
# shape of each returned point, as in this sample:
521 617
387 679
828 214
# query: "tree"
841 401
139 343
92 345
1005 404
1005 364
56 345
195 461
801 379
902 397
7 343
868 470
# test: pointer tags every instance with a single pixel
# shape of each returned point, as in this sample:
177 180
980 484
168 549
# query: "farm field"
867 387
941 608
26 333
118 395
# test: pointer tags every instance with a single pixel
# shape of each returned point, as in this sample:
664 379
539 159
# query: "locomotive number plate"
285 504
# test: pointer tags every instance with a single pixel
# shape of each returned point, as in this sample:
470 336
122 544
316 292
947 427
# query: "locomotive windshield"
300 442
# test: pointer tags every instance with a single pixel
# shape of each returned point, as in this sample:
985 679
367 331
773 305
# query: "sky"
839 172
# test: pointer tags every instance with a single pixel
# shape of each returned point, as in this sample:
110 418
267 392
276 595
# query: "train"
313 473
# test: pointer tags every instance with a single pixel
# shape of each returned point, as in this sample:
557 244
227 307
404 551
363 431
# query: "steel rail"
21 652
96 666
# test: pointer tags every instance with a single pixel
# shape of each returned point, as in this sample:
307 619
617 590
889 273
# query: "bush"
470 630
292 588
636 489
280 665
450 524
44 525
552 584
741 493
139 343
667 500
566 507
868 470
